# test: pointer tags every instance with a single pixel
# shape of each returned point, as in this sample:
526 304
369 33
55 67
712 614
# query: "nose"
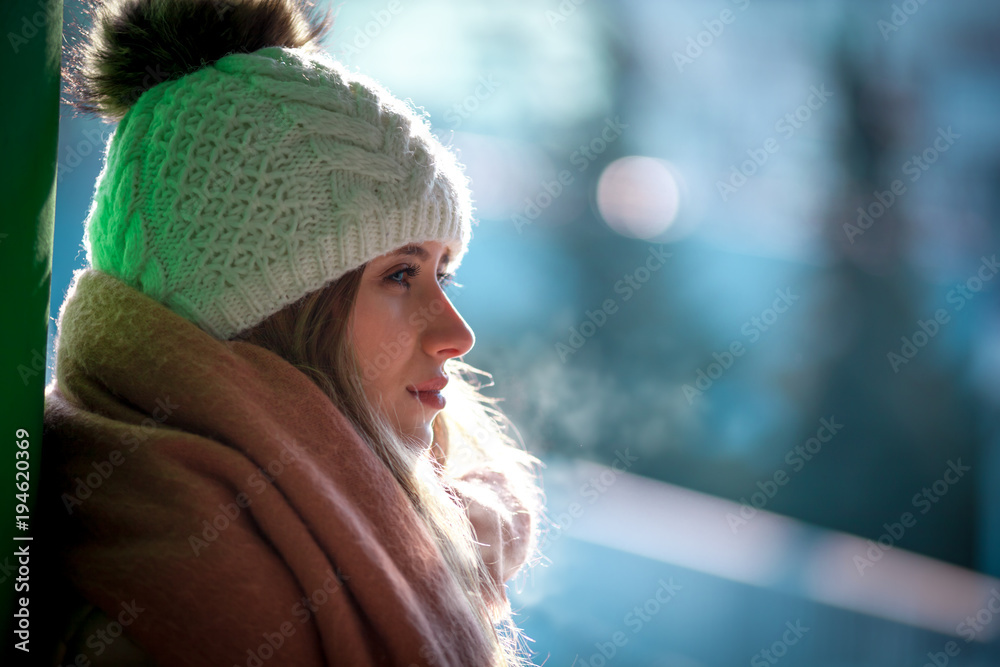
447 334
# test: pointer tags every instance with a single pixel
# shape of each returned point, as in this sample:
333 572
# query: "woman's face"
404 328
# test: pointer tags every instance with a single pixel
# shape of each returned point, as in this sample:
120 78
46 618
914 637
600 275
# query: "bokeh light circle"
638 196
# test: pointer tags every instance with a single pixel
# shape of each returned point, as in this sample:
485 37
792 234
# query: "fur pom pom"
132 45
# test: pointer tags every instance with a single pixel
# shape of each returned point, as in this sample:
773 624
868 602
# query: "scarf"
211 485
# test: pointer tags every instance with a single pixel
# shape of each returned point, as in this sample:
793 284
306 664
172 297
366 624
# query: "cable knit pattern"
241 187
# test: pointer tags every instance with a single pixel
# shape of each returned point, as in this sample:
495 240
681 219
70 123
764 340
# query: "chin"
426 436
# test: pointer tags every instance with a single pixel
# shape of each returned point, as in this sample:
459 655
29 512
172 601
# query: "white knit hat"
240 187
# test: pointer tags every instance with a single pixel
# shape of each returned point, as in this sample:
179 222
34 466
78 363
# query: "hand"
501 522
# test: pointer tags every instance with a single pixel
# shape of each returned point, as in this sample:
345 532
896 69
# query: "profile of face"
403 329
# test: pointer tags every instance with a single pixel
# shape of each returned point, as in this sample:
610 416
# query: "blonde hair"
312 334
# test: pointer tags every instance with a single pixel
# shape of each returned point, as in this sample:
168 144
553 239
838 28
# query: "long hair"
313 335
133 45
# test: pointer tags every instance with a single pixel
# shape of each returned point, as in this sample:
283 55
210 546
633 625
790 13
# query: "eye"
398 276
402 276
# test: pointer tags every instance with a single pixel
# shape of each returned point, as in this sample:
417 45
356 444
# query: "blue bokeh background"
741 137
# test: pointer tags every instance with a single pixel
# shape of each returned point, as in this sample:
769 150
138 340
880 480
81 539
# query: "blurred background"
735 278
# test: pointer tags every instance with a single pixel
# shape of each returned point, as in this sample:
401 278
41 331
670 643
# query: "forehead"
420 252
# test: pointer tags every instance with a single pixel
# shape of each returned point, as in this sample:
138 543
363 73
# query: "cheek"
383 336
362 332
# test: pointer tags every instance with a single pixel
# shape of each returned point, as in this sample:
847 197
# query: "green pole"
30 71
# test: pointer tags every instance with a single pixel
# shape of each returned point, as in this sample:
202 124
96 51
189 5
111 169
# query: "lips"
434 384
429 392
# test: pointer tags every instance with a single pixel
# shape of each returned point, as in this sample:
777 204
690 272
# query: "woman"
262 446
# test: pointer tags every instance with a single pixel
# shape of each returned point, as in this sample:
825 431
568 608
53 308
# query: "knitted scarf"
212 485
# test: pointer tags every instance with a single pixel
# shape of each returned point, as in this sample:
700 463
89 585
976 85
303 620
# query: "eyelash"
445 279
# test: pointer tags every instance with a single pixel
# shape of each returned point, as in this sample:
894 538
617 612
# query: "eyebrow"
420 253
